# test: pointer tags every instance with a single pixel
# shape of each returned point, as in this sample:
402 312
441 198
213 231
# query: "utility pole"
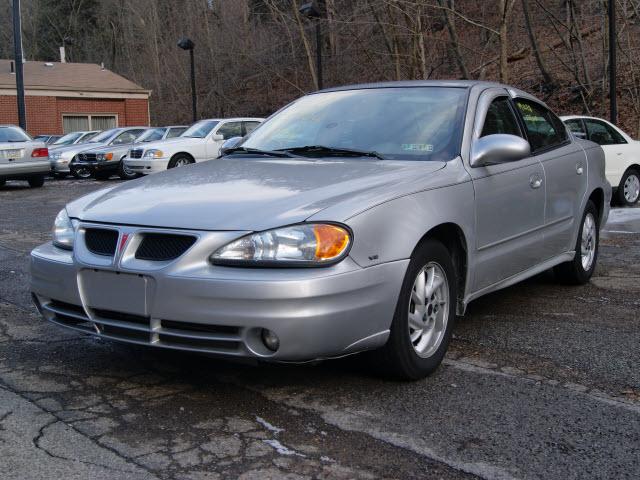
17 44
613 100
187 44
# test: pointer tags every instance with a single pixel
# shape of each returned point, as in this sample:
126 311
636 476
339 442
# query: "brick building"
64 97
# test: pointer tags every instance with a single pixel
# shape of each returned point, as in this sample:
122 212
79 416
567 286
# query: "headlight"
101 157
298 245
54 155
63 231
153 153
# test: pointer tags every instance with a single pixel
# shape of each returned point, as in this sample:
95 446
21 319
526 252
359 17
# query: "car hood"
160 143
71 150
252 194
111 148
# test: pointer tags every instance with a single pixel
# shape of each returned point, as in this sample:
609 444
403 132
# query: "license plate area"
119 292
12 154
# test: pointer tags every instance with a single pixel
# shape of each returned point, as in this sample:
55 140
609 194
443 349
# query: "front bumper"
96 166
60 165
192 305
146 166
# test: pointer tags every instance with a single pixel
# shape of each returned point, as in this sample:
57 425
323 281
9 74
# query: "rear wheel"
424 316
36 182
579 270
180 160
629 188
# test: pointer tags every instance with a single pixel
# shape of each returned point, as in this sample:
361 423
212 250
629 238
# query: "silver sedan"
357 218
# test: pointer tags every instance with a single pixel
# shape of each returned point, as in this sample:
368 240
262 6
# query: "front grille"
163 246
135 153
101 241
86 157
138 329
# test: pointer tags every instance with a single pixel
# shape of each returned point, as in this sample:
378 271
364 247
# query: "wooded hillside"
253 56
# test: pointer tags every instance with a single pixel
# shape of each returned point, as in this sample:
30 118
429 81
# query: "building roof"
75 77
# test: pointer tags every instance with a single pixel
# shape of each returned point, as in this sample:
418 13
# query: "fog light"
270 340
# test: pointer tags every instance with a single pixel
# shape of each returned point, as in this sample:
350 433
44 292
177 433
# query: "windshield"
399 123
200 129
104 136
151 135
68 139
13 134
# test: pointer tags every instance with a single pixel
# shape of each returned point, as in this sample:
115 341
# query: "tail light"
40 152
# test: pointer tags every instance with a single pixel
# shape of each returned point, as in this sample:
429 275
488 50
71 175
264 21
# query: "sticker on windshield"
417 147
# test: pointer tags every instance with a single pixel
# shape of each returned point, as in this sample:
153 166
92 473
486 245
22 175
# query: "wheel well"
597 197
186 154
452 237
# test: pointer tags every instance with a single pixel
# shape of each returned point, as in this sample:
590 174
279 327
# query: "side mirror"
229 144
498 148
217 137
581 135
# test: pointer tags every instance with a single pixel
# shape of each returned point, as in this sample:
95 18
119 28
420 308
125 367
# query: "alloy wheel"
428 309
632 188
588 243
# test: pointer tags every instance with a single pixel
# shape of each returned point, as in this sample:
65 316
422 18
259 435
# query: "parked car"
104 161
21 157
75 138
202 141
622 154
48 139
356 218
62 157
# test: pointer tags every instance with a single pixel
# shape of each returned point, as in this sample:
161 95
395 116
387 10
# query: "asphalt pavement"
542 381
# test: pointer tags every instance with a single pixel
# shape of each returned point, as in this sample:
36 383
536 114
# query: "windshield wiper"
321 149
257 151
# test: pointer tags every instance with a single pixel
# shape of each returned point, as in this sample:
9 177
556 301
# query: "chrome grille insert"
135 153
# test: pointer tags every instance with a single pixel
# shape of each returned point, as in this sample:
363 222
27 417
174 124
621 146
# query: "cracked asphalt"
542 381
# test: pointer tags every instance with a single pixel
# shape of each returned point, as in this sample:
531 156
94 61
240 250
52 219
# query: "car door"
227 130
565 168
615 146
510 199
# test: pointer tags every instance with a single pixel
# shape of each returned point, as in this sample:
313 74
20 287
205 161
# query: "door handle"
579 168
535 181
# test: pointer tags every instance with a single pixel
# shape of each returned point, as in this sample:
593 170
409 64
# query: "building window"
75 123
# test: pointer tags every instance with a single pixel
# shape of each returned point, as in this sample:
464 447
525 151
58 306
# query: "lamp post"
187 44
313 11
17 45
613 100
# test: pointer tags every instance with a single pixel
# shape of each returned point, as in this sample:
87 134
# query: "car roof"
232 119
572 117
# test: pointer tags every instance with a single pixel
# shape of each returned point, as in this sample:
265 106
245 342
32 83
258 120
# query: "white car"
622 154
200 142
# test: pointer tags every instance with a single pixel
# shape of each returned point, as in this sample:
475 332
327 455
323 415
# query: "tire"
36 182
180 160
81 173
102 175
579 270
2 182
401 357
629 189
126 174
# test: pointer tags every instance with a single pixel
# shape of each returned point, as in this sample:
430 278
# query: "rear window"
13 134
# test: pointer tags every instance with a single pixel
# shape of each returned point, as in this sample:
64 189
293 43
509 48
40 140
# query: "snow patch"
268 425
281 449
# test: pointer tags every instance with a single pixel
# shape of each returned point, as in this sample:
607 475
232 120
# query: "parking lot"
541 381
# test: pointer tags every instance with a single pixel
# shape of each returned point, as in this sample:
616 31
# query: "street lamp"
17 46
187 44
313 11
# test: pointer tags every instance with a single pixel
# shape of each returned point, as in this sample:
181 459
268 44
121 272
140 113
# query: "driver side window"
500 119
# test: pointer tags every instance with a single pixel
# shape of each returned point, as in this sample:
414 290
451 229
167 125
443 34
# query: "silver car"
21 157
357 218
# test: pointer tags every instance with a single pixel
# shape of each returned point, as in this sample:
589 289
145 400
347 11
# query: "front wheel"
180 161
126 173
424 316
36 182
629 188
81 172
579 270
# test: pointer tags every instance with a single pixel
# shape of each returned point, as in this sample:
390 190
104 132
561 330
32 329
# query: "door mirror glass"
498 148
217 137
229 144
